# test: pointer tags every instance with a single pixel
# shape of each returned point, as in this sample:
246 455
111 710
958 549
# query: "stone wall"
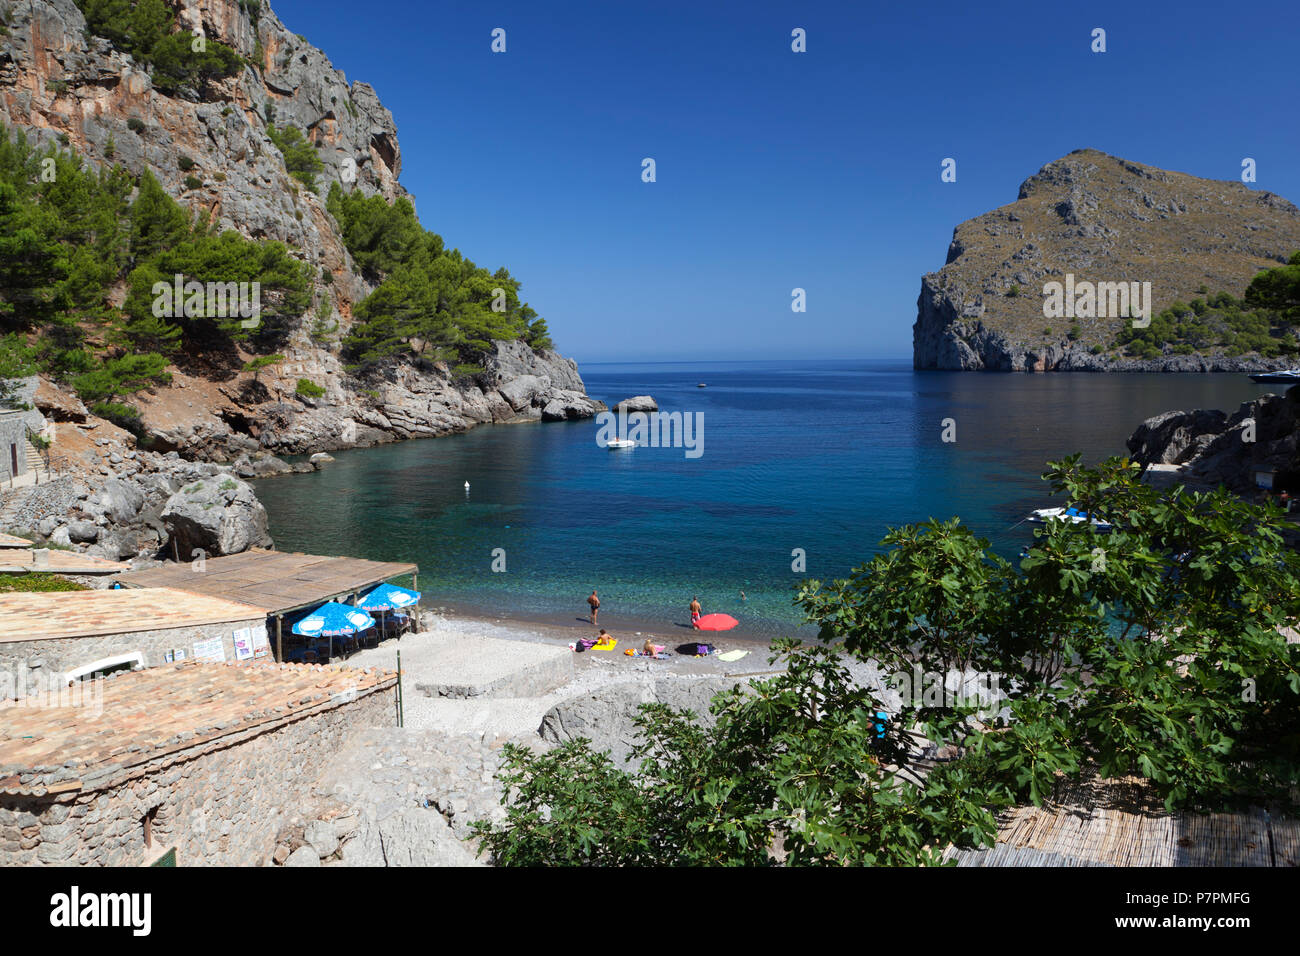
29 666
220 803
13 436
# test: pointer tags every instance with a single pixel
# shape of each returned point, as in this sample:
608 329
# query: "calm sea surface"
821 457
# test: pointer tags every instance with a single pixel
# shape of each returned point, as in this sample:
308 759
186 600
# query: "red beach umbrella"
716 622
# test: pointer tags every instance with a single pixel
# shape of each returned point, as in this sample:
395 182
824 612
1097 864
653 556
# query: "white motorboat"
1072 515
620 443
1284 377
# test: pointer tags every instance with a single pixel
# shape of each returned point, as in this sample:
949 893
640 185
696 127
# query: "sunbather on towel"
605 639
652 649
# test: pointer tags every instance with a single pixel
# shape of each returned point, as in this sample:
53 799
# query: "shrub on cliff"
146 29
300 159
431 302
1278 290
66 241
1264 321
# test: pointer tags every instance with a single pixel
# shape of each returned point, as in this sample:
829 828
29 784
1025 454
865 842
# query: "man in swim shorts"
695 613
594 603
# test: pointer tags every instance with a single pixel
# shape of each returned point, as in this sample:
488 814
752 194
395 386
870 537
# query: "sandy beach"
424 653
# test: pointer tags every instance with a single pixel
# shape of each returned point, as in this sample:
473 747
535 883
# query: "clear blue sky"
776 169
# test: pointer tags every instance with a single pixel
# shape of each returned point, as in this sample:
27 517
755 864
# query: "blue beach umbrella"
334 620
388 597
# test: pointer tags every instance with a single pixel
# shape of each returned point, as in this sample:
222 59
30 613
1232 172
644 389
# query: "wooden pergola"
278 582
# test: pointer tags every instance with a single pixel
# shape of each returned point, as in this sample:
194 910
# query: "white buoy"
467 486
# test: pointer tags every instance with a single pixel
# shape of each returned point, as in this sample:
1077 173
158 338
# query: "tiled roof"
36 615
142 716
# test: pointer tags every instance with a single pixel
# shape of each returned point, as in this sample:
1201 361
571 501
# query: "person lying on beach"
652 649
605 639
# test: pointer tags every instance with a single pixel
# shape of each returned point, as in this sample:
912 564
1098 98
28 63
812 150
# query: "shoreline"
569 627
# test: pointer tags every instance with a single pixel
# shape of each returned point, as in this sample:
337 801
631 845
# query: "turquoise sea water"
821 457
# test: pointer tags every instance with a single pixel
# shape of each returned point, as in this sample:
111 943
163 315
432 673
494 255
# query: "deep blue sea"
818 457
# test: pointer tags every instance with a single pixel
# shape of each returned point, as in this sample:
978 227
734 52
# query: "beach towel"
732 656
604 647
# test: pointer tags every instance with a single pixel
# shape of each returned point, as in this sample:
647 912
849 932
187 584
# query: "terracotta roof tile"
143 715
28 616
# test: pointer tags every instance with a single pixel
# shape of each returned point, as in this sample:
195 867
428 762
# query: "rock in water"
218 515
637 403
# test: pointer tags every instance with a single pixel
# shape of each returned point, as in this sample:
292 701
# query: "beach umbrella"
388 597
334 620
716 622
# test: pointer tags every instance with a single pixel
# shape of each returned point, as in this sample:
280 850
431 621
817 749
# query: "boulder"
261 465
521 392
637 403
303 856
414 836
217 515
83 532
322 838
120 501
606 716
1171 438
410 836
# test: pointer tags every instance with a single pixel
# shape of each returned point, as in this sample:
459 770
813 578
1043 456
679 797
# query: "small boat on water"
1072 515
702 385
1281 377
620 443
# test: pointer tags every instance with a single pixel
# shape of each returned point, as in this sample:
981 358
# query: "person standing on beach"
594 603
695 612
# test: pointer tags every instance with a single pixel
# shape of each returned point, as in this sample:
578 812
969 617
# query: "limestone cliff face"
1103 219
63 85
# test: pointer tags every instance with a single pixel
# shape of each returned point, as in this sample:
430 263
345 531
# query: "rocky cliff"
1101 219
1211 447
179 488
63 85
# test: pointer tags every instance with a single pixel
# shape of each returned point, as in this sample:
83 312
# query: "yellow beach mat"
604 646
732 656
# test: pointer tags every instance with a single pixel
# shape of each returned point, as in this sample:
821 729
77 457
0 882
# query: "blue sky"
777 170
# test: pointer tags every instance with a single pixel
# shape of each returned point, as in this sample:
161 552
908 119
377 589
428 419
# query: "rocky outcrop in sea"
1101 219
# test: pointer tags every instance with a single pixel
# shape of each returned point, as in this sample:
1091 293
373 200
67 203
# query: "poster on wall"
213 650
175 654
244 644
261 645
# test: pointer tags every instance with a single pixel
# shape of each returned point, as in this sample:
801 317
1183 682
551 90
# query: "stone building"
205 760
50 639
